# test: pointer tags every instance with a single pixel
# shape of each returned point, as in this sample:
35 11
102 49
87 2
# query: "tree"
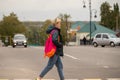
43 35
116 15
33 35
105 11
65 26
110 18
10 25
119 21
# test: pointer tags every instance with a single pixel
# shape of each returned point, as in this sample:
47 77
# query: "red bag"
50 48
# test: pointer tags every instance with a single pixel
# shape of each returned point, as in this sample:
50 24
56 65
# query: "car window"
113 36
98 36
19 37
105 36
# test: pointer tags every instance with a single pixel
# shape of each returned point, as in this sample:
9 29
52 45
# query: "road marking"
47 79
92 79
44 79
72 57
68 79
106 67
36 47
64 54
71 79
54 79
113 79
22 79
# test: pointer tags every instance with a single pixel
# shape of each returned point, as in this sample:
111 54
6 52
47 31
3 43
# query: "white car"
104 39
19 40
1 43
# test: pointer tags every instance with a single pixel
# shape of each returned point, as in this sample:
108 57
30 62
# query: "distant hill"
33 23
40 23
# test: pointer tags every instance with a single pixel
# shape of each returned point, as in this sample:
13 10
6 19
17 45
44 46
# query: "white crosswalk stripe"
22 79
68 79
113 79
48 79
36 79
92 79
44 79
71 79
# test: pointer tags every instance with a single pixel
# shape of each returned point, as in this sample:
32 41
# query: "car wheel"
112 44
95 44
13 46
102 45
25 46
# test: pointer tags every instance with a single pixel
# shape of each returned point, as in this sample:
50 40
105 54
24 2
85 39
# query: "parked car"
19 40
104 39
1 43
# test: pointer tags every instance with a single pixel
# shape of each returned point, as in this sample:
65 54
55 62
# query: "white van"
104 39
19 40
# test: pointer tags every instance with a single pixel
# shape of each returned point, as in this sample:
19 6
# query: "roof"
102 29
86 28
95 28
77 24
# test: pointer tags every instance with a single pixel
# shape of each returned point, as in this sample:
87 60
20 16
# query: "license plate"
19 42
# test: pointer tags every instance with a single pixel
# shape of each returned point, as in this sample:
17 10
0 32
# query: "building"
82 30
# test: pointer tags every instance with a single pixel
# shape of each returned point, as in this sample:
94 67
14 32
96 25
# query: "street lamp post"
90 18
90 10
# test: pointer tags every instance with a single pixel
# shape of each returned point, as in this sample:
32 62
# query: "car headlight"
25 41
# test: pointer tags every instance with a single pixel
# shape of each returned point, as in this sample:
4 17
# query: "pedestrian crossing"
68 79
114 79
91 79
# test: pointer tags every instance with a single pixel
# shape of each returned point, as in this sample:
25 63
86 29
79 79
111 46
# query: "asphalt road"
80 63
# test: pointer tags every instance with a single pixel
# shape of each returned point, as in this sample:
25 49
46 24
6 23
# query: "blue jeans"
55 60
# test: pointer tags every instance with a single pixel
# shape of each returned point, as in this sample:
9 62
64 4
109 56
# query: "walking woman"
55 59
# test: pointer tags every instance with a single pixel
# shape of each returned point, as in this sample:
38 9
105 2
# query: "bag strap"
52 32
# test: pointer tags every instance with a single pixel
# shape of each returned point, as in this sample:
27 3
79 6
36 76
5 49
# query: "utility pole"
90 10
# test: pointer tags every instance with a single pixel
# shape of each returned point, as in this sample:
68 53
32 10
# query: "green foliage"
110 18
65 26
33 35
105 11
116 16
43 35
10 25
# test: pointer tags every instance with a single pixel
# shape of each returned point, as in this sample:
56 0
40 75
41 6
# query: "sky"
41 10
